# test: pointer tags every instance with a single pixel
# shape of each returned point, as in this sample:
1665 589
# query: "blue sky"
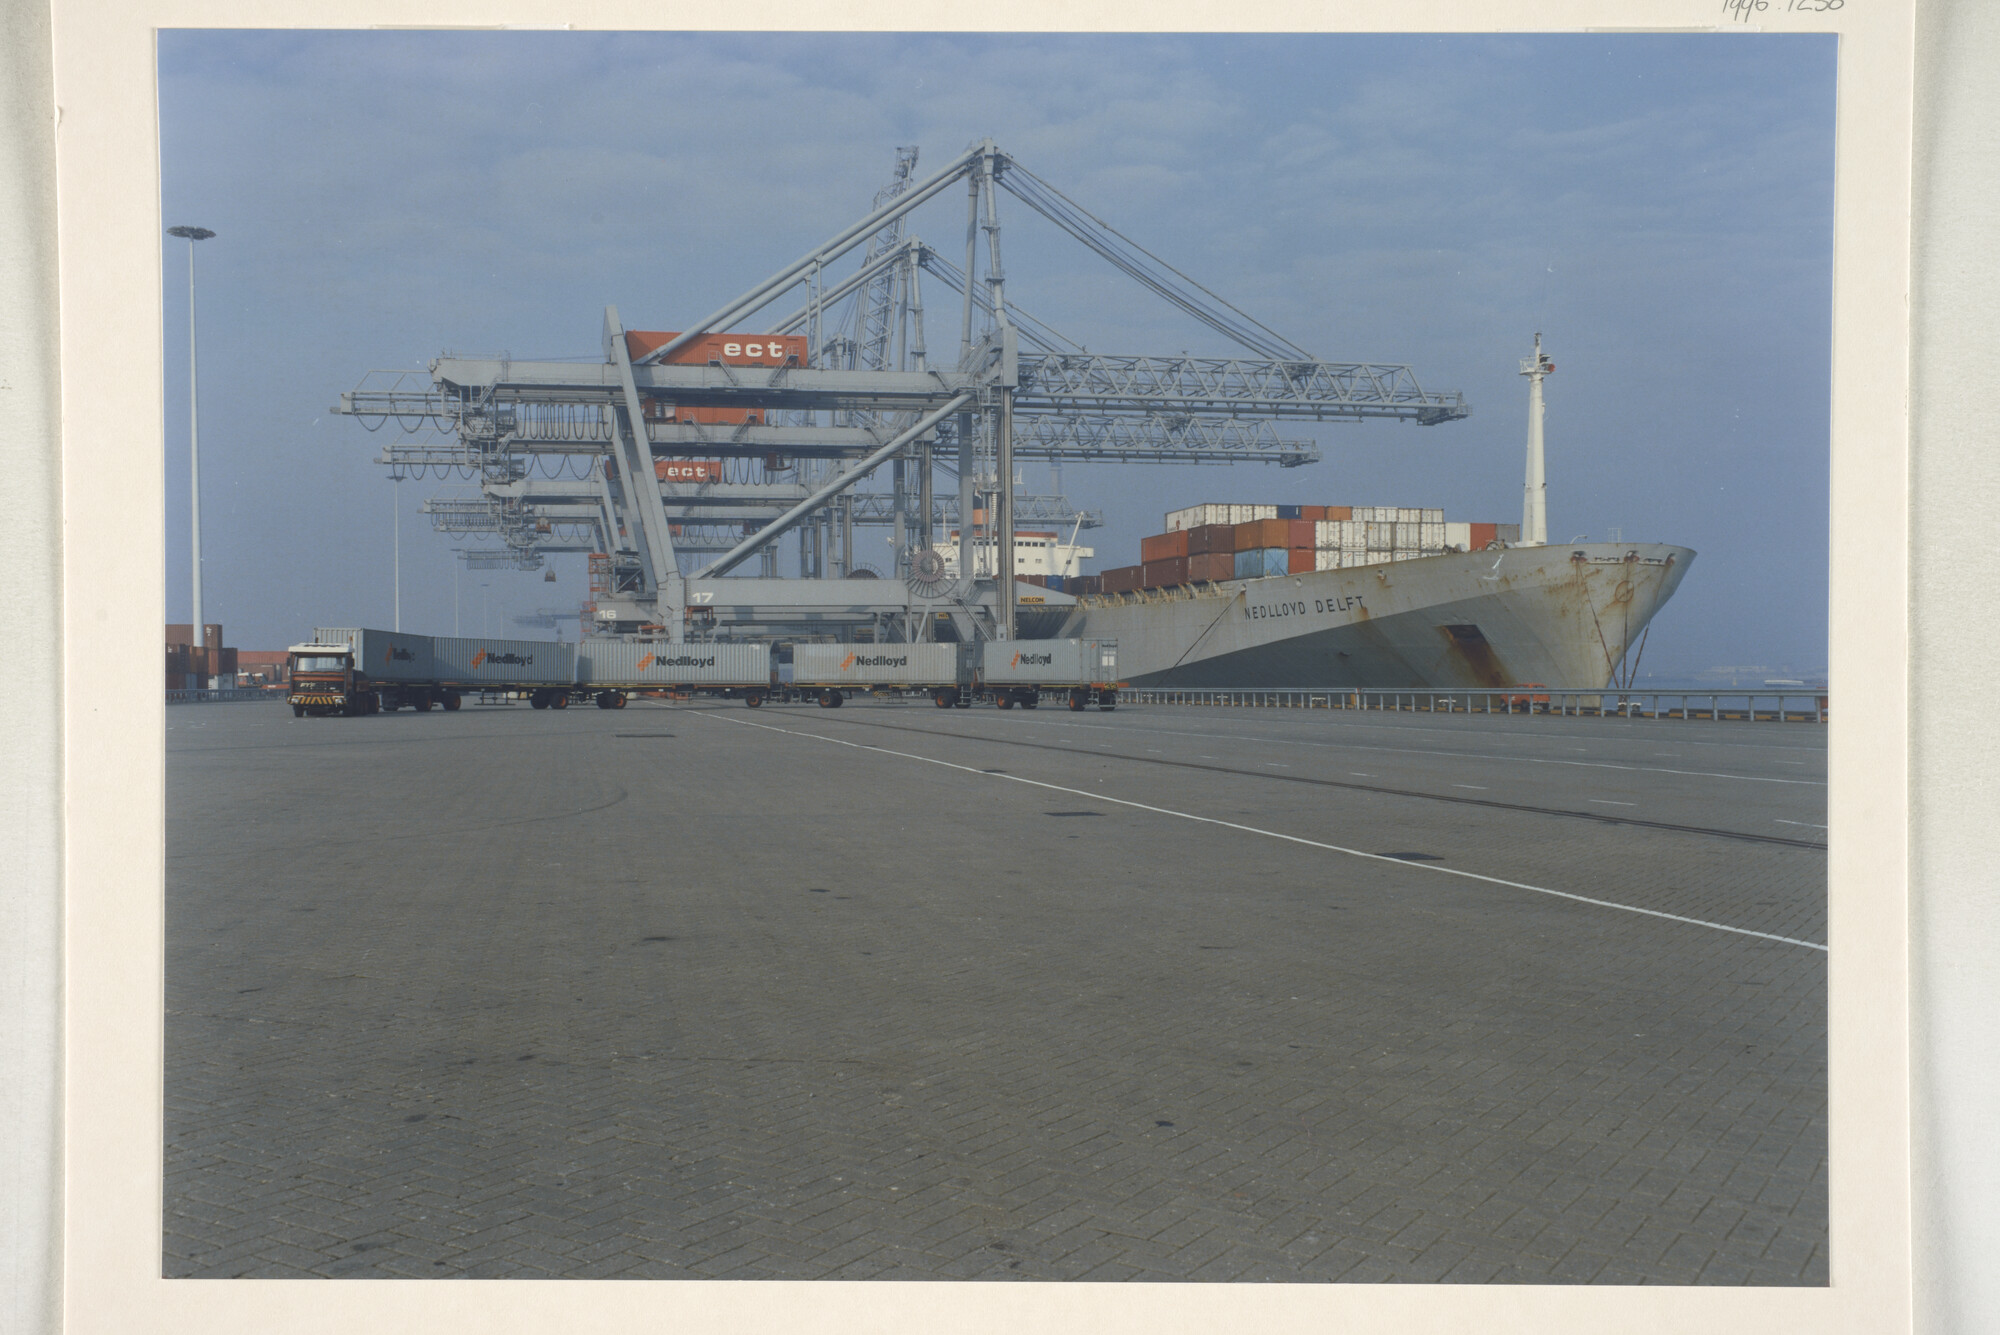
1660 207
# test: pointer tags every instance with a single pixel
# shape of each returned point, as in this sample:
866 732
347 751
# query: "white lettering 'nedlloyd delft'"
1331 608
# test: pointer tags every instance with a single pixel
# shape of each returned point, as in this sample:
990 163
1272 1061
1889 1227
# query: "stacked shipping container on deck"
1208 543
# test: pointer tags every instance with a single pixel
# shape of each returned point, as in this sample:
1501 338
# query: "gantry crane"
826 422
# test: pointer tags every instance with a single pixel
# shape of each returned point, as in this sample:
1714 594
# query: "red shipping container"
1122 579
1265 533
1313 513
1083 584
1165 574
1211 565
1301 533
1335 512
1300 560
1211 538
1163 546
1483 534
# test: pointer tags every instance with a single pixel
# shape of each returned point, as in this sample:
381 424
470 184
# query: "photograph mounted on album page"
619 496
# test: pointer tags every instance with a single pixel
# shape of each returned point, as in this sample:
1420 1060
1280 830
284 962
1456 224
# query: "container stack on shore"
1208 543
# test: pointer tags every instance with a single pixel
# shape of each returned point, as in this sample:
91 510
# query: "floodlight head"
191 233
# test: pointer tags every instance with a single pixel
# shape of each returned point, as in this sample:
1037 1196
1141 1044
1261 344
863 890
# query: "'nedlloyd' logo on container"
509 659
684 660
874 660
1033 660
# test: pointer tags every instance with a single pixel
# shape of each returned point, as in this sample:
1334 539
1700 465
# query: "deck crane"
1013 387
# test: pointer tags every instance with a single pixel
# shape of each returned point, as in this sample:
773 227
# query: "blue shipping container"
1288 512
1260 562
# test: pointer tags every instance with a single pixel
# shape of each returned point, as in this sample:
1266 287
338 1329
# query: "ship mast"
1535 497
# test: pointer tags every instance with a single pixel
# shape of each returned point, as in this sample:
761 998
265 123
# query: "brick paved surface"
669 993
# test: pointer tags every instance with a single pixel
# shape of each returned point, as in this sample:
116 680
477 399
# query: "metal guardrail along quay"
1715 706
1753 706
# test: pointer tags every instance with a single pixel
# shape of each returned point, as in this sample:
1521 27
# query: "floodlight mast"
1535 495
192 235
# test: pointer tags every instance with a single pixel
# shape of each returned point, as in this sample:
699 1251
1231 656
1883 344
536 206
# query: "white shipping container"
1430 517
1430 537
1048 662
504 662
876 664
1409 514
1326 558
384 655
1459 536
639 663
1381 536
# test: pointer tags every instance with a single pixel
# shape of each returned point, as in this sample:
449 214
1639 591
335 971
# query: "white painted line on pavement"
1270 834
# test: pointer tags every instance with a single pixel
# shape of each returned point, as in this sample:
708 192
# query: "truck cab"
323 681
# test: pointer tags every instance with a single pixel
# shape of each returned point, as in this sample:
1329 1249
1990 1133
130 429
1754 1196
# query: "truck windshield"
319 662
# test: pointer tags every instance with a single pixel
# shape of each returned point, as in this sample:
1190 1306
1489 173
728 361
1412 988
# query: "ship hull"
1561 616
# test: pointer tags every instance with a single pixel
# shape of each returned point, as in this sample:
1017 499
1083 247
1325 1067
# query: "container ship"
1376 596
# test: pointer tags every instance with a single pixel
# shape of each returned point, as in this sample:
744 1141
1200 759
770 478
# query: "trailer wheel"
1078 700
560 700
451 701
1004 701
753 700
423 703
1031 699
537 700
942 699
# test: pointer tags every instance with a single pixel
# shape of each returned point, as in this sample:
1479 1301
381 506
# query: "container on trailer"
1048 662
384 655
626 663
878 664
1163 574
1163 546
504 662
